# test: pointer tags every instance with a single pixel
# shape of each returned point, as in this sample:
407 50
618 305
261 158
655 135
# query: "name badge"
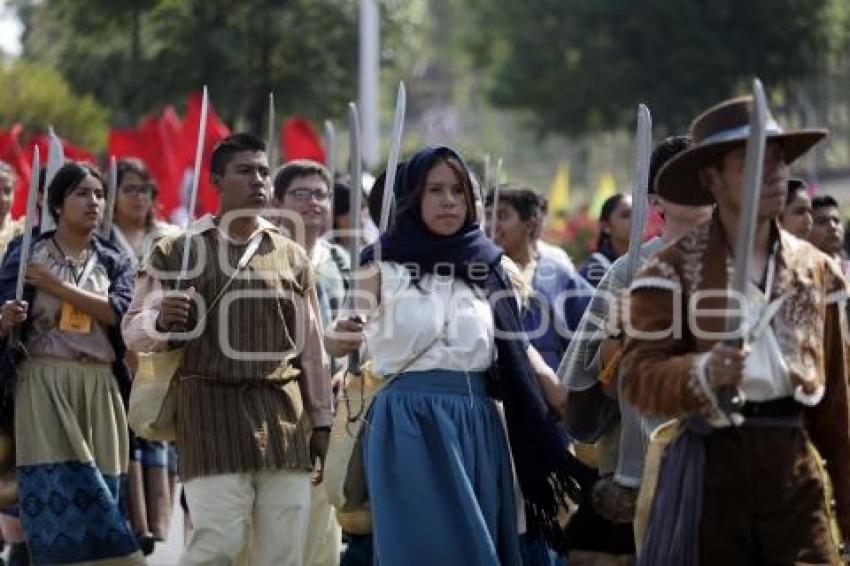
74 320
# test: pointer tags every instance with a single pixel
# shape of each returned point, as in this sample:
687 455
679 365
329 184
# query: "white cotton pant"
324 536
257 518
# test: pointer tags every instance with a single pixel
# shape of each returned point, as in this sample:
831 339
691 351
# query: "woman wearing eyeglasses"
136 227
153 465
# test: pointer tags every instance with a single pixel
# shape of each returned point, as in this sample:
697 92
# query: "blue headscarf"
548 474
409 241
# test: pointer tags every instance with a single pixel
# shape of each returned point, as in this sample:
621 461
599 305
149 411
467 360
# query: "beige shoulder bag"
345 474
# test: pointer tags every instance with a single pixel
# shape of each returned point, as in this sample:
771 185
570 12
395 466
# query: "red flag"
12 153
171 135
216 131
167 145
170 129
299 140
654 225
147 144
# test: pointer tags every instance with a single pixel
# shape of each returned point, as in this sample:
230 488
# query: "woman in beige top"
68 380
152 475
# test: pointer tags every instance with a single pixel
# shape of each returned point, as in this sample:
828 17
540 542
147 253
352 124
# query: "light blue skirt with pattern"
439 473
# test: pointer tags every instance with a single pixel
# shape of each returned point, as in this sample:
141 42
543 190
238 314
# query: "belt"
782 412
775 408
278 378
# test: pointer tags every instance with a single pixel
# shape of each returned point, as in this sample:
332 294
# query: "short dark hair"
662 153
66 180
224 150
824 201
342 197
376 195
299 168
606 212
526 201
795 187
609 206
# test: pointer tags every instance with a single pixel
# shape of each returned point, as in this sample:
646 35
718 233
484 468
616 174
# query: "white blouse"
411 315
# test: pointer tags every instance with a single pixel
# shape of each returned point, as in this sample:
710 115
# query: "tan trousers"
267 510
324 537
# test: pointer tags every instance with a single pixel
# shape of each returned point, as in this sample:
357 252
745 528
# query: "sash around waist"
53 361
278 378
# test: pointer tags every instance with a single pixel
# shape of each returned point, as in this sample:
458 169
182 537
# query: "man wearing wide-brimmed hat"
746 487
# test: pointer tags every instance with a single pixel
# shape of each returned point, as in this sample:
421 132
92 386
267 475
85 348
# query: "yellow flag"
559 195
606 188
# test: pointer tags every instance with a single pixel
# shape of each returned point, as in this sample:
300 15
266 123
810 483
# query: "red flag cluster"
19 156
12 153
167 145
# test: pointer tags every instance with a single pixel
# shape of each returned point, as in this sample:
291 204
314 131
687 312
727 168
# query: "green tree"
136 57
582 66
38 97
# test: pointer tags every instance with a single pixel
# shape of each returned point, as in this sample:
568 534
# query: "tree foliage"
37 97
137 55
582 66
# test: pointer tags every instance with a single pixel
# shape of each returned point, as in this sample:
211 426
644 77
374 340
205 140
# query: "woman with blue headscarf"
444 329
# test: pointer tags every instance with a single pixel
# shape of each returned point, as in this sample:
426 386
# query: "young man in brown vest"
743 486
254 392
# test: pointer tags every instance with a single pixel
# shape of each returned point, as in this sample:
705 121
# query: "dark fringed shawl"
549 475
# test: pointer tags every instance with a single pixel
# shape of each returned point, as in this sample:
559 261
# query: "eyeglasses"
137 190
320 195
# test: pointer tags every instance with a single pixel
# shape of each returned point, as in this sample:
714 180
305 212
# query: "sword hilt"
354 362
729 398
354 357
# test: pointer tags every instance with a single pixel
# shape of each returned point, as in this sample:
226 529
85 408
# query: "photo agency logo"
703 317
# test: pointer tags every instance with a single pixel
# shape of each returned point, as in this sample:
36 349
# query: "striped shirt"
254 380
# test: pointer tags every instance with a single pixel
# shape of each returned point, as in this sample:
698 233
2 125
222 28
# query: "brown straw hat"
715 132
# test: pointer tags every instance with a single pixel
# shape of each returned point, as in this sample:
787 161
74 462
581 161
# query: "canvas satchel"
152 411
345 473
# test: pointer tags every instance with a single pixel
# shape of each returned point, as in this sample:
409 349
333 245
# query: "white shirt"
409 316
766 375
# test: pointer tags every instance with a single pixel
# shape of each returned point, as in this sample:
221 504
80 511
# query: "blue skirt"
71 454
439 473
